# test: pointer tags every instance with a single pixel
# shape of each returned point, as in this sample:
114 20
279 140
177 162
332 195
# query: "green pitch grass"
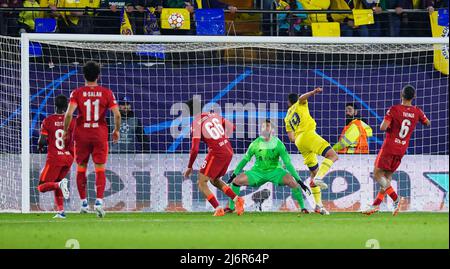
201 230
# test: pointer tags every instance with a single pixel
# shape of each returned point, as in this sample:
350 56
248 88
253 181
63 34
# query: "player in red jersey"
214 131
59 155
91 132
399 123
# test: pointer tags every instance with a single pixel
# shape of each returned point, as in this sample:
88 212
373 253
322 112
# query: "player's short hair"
91 71
293 98
269 121
61 102
408 92
355 106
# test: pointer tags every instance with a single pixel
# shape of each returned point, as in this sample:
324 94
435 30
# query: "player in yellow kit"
301 129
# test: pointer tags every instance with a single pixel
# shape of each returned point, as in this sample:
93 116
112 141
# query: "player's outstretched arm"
247 157
117 122
68 119
302 99
192 156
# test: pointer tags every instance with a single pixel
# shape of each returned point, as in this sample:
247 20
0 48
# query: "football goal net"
246 80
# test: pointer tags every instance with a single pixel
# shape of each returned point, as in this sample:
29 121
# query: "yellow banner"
441 51
326 29
363 16
175 18
125 25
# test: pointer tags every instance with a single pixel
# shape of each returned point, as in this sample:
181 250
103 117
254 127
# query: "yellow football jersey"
298 119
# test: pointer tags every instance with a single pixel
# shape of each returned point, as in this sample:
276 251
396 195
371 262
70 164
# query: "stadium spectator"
380 19
346 21
267 17
316 17
8 20
197 4
26 18
139 16
431 5
132 138
353 139
77 21
108 22
290 24
403 24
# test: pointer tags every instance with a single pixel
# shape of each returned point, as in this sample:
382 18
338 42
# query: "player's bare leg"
81 186
398 203
218 183
289 181
203 187
100 182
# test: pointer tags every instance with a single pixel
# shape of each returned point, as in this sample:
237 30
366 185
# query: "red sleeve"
389 114
194 151
44 130
112 100
73 98
422 117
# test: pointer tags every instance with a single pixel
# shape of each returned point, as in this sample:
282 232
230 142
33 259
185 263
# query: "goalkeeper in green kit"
267 150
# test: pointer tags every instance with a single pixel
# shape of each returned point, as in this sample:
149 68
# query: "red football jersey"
92 103
59 152
403 120
212 129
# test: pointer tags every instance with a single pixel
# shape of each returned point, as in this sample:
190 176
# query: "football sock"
229 192
323 168
212 200
81 182
236 189
59 200
298 196
379 199
100 182
49 186
390 191
317 194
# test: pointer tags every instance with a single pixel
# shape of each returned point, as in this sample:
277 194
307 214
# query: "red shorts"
84 149
215 166
388 161
53 173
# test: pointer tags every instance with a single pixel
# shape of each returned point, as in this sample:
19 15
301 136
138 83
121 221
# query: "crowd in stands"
399 23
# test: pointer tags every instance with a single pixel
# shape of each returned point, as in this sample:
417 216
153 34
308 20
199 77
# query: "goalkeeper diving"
267 150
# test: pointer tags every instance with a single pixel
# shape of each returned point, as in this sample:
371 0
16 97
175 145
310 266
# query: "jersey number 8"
59 141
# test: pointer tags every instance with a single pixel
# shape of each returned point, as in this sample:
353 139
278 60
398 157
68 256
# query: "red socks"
49 186
390 191
212 200
100 181
379 199
81 182
229 192
59 200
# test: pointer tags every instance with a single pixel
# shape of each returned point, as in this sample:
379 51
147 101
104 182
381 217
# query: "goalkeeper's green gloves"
233 176
304 187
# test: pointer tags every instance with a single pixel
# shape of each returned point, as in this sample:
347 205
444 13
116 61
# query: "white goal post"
252 48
